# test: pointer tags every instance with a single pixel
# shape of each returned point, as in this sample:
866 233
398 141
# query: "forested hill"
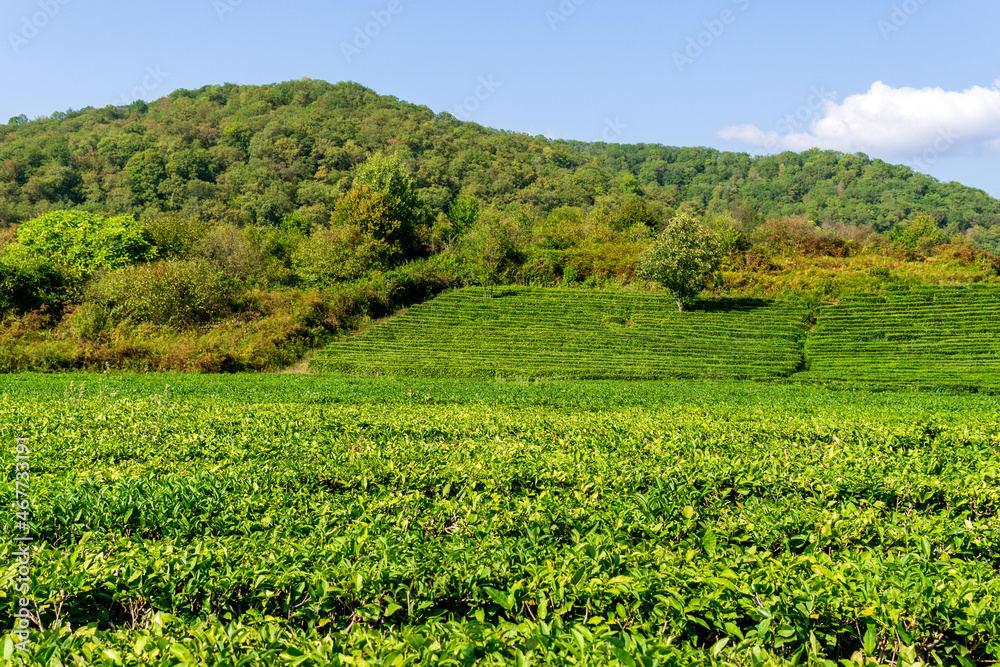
255 154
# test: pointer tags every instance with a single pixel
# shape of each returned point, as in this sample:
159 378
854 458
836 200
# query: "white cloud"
885 121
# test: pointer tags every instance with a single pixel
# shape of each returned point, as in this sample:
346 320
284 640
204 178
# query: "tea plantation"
922 337
581 334
343 520
323 520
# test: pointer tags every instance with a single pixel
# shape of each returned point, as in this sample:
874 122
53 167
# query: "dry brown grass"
300 367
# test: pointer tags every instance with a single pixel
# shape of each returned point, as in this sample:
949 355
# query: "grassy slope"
929 336
538 332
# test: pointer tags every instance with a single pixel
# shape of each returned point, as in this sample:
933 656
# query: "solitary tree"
462 216
682 259
463 213
920 234
492 253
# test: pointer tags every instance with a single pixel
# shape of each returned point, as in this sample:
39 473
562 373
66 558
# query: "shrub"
174 236
881 272
277 247
785 234
89 321
920 234
171 292
29 282
85 242
798 235
636 211
733 241
339 253
55 355
563 228
826 246
987 238
231 250
603 261
541 266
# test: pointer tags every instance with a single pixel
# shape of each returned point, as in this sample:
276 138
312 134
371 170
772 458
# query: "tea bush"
327 520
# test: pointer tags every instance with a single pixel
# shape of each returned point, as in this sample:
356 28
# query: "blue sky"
910 81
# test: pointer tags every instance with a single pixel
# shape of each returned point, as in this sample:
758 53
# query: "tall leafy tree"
634 210
146 170
463 213
492 253
387 176
682 259
370 213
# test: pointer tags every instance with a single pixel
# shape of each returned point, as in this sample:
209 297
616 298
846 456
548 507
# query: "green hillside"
538 332
255 154
243 227
923 336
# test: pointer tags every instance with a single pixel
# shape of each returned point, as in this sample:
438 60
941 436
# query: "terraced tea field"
924 337
320 520
537 333
921 337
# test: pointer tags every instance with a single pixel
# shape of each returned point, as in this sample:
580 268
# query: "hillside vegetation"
240 227
255 154
537 333
920 337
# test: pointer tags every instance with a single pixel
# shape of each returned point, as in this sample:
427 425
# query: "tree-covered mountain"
258 154
238 228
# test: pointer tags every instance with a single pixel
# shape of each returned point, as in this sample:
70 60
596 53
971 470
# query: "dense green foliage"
343 520
154 317
255 154
683 259
925 337
235 227
82 242
31 282
171 292
314 520
532 333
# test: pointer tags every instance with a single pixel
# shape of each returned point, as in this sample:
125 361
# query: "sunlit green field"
583 334
319 520
920 337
